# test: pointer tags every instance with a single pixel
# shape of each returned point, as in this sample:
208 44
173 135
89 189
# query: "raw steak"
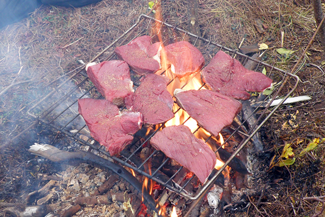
184 58
178 143
229 77
141 55
110 128
152 100
112 79
213 111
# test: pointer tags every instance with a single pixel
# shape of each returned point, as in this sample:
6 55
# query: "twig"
11 85
319 15
254 206
319 199
308 46
72 43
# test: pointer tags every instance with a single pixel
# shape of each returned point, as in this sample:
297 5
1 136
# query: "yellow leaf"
263 46
287 157
287 152
264 71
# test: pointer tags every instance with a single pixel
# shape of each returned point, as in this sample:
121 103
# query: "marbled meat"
142 56
178 143
184 58
213 111
107 125
112 79
228 76
152 100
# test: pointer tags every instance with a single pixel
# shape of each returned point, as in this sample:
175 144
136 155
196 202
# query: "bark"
318 13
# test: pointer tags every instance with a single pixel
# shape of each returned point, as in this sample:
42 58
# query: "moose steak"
178 143
112 79
228 76
152 100
142 56
213 111
184 58
107 125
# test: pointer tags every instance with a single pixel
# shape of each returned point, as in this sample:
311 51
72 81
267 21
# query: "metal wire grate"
59 108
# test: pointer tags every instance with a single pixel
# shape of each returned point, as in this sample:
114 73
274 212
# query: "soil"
37 52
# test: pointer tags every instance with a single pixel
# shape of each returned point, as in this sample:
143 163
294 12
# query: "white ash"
214 196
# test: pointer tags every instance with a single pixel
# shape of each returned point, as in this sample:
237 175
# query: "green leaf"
285 52
151 4
311 146
286 162
267 92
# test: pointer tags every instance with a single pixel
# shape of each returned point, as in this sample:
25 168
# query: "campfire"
167 188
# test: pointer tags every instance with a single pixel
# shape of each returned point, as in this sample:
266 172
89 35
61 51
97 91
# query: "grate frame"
61 103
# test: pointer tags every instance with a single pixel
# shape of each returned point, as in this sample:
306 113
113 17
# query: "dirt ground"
46 46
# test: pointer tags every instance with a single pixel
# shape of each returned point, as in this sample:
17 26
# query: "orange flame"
219 163
221 140
163 55
132 171
193 83
162 210
144 186
174 213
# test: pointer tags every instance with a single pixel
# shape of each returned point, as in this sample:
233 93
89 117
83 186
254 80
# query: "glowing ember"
173 214
188 175
156 187
143 210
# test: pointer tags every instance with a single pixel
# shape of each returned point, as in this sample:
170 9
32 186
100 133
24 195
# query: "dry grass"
49 43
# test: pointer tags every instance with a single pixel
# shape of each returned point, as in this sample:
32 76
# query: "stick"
319 15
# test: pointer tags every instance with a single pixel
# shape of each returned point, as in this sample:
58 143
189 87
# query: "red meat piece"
107 126
178 143
228 76
184 58
141 55
213 111
112 80
152 100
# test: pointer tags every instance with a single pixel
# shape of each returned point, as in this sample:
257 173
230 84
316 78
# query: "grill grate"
59 108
